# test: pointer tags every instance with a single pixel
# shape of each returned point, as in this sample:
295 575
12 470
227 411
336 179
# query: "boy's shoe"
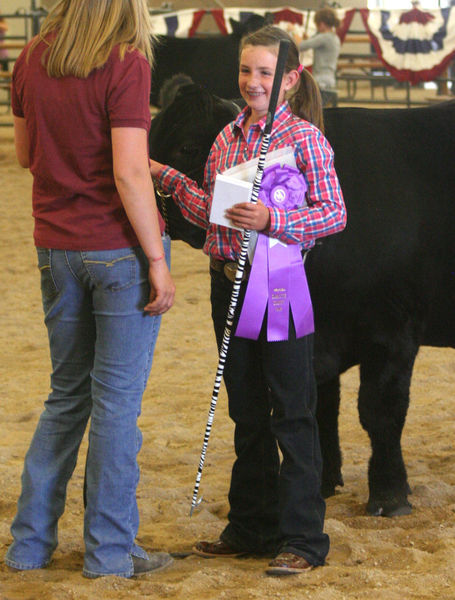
217 549
288 563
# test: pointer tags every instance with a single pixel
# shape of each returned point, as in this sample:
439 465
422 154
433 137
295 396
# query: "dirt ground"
403 558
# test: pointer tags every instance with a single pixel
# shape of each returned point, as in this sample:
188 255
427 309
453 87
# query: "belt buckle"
230 271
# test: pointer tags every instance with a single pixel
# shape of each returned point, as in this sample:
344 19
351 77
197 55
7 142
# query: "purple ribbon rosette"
277 279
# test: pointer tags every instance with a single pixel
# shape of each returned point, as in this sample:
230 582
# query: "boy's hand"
248 215
154 167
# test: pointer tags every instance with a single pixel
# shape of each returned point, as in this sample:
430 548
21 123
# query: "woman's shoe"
156 561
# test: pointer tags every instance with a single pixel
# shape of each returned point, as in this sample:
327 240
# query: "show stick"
279 71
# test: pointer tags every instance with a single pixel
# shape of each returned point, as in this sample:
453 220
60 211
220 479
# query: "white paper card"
228 191
235 184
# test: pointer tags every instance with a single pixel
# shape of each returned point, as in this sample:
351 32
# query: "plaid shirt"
325 213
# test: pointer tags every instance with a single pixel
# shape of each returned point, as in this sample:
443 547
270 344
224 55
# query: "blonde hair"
86 31
305 98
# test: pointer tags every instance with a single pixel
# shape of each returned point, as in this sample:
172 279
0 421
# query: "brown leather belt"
229 268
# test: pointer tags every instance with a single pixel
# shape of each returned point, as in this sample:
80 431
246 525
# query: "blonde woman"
81 116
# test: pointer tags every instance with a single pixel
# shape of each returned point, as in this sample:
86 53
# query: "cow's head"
252 23
181 136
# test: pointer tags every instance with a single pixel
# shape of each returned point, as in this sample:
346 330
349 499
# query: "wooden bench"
356 39
366 68
361 64
374 80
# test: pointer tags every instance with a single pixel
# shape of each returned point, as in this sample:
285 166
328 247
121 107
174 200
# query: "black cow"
385 285
181 135
210 61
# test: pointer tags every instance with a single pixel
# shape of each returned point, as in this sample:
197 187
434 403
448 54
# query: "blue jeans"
101 345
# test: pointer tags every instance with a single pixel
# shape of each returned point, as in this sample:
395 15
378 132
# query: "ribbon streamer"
277 280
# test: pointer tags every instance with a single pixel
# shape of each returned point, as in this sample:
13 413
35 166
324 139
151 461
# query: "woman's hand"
249 215
134 184
162 288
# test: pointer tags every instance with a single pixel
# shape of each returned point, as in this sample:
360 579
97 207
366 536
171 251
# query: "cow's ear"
236 26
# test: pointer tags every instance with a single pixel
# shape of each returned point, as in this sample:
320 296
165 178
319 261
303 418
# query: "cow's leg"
327 415
385 377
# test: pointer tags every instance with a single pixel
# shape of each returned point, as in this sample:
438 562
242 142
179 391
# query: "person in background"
274 509
3 51
80 99
325 44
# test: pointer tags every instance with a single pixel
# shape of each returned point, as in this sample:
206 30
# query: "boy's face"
256 72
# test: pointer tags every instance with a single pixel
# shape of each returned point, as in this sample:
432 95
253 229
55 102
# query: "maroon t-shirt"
76 205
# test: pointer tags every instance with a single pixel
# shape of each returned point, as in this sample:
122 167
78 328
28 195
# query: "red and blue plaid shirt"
325 213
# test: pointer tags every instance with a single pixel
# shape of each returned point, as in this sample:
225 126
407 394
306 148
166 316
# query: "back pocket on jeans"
110 270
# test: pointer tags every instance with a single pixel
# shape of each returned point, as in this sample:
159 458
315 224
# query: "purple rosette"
277 280
283 187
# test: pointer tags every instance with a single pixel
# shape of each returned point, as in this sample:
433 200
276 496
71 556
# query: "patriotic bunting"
414 45
290 19
182 23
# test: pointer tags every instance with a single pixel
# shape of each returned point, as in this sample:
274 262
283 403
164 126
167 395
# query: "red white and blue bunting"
415 45
300 21
182 23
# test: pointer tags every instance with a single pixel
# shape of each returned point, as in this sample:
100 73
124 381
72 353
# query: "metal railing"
31 20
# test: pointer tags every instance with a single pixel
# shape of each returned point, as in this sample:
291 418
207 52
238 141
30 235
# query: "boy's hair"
305 98
327 16
86 31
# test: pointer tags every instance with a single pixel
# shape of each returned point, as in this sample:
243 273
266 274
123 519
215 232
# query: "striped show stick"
279 71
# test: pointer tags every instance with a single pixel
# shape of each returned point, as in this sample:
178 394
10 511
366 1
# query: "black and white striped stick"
279 71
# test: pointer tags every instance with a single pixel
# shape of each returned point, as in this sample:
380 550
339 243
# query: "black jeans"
272 399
